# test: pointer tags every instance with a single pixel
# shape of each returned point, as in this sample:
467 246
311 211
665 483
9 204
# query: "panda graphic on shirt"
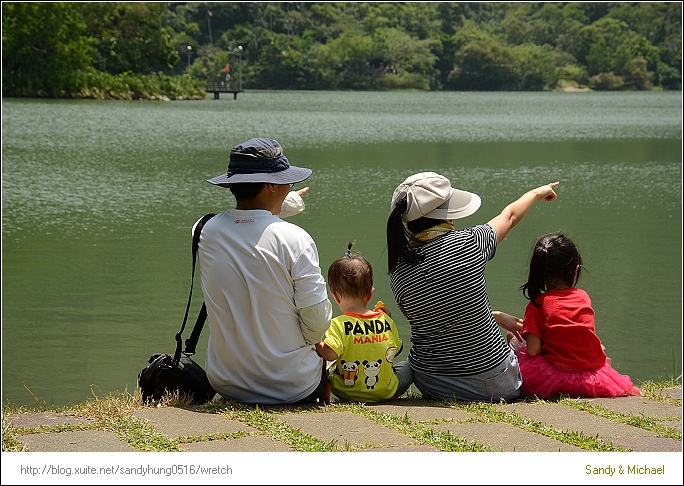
371 369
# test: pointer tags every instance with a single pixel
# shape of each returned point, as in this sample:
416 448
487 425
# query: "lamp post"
209 14
189 50
239 68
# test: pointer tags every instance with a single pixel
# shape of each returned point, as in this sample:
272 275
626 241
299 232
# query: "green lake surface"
98 199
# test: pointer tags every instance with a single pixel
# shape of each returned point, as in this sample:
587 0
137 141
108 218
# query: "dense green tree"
292 65
549 23
539 67
210 64
452 15
348 59
130 36
418 18
594 10
606 81
546 24
638 74
52 49
516 26
644 18
604 46
44 49
482 63
399 50
331 19
609 46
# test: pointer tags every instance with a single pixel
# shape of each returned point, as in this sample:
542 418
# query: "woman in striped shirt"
437 275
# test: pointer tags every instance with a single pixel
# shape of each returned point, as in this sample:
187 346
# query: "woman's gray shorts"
504 382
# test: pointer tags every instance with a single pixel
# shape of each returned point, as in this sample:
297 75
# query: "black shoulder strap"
191 342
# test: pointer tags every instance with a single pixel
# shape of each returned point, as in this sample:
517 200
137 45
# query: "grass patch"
130 86
444 441
187 439
420 431
114 413
643 422
653 390
56 428
269 424
9 438
489 412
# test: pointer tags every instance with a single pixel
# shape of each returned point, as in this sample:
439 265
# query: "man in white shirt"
266 298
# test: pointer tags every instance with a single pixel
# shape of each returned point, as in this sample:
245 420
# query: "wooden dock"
218 87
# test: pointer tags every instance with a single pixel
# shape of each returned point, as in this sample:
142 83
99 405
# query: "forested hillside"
56 49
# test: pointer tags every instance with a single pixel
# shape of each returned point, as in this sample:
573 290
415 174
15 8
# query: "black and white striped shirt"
444 298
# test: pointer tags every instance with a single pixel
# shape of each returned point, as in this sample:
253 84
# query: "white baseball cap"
430 195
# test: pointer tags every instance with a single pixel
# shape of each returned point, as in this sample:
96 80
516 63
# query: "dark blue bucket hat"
260 160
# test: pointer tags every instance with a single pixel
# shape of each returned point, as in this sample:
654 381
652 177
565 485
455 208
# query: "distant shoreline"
572 89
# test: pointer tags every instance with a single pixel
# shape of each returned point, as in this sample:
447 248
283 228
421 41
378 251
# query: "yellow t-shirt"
365 345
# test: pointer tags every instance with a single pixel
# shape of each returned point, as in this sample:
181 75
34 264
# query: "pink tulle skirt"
545 380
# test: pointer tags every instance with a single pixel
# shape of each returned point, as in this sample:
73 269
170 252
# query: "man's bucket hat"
260 160
430 195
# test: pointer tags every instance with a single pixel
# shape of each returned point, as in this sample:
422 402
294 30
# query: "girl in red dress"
561 352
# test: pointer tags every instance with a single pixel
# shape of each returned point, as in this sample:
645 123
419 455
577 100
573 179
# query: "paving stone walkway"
194 429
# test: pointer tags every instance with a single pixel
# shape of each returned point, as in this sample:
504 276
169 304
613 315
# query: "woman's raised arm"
514 212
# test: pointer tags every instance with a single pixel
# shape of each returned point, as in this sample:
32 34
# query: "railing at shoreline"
218 87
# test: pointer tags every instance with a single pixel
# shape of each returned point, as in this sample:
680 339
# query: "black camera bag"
178 371
188 378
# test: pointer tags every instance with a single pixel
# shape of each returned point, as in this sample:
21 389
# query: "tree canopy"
53 48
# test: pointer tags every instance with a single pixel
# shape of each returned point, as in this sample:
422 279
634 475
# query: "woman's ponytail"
397 238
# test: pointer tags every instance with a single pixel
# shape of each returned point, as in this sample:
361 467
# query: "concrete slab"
408 448
420 410
45 419
505 437
671 423
345 428
75 441
636 406
647 444
180 422
349 430
255 443
672 392
569 419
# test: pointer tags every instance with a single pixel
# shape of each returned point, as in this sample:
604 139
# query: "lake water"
98 198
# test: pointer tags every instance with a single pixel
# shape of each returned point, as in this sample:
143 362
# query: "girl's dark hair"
398 236
554 260
246 191
351 275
